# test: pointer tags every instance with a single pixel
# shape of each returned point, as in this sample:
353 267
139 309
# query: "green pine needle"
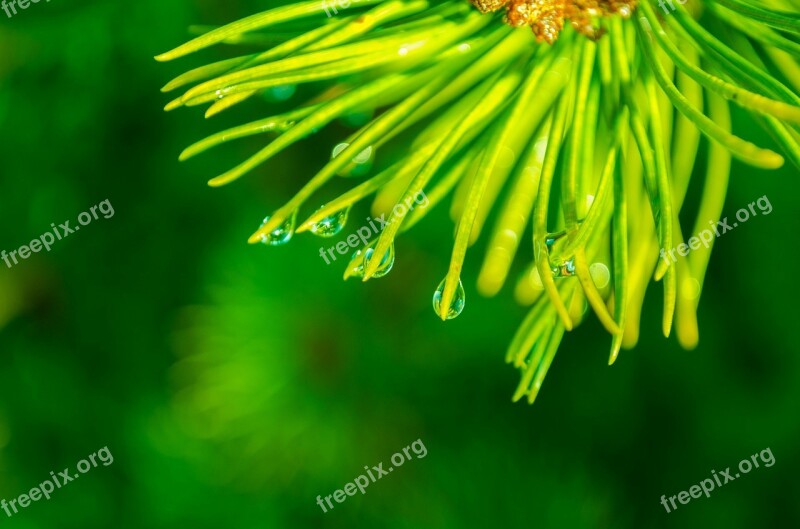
591 144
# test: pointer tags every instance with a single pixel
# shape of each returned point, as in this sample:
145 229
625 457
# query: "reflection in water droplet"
456 306
332 224
361 258
280 235
559 267
563 268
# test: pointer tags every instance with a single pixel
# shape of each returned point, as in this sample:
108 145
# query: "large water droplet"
280 235
456 306
386 264
361 258
332 224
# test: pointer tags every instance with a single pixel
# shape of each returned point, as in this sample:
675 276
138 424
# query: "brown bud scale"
546 17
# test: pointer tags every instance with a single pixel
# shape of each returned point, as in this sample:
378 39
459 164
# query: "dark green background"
233 383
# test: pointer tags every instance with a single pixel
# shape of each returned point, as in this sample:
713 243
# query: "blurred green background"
234 383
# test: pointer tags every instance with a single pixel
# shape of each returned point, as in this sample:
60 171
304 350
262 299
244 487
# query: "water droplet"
362 162
600 275
280 93
386 264
559 267
464 47
456 306
332 224
563 268
361 258
356 265
280 235
362 158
